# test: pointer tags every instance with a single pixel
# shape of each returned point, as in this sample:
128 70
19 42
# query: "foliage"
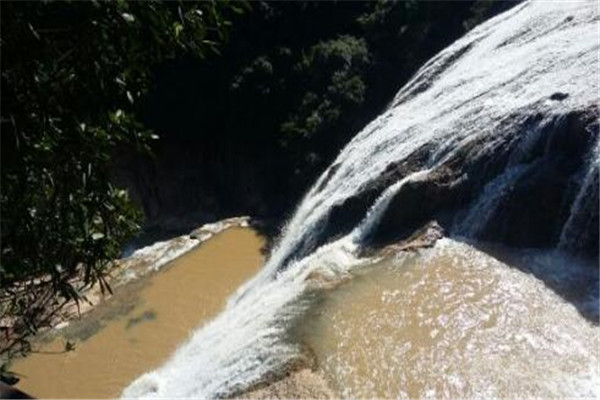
74 75
331 73
296 81
316 90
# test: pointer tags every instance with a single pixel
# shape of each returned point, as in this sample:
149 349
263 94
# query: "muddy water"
143 323
452 323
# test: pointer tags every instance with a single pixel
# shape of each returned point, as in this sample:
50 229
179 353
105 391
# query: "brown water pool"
143 323
452 322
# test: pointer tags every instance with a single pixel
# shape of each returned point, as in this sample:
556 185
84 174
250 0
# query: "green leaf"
128 17
97 235
177 28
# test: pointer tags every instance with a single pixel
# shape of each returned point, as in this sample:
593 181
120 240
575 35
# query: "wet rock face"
537 209
529 215
422 238
417 203
531 212
184 184
343 217
587 240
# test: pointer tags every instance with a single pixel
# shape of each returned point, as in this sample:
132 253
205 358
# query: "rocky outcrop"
496 138
303 384
532 210
423 238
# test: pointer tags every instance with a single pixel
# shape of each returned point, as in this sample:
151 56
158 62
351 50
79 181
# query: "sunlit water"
453 322
142 325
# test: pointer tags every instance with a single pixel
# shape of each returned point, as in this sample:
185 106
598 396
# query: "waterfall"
583 201
376 211
484 207
472 101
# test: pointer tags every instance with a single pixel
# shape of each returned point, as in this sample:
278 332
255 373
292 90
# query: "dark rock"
527 215
423 238
559 96
535 211
8 392
417 203
343 217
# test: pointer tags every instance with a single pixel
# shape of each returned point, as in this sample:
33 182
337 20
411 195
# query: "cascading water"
485 206
585 199
487 100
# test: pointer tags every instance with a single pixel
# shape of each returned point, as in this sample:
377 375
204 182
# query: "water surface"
143 323
453 322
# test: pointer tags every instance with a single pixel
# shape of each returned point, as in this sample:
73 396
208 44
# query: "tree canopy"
74 75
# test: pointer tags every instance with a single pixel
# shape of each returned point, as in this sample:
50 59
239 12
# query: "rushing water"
476 95
453 322
583 202
142 324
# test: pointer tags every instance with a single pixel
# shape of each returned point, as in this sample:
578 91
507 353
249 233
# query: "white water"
478 89
484 207
568 234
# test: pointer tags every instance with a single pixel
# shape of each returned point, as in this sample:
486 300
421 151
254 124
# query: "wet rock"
200 234
417 203
532 212
343 217
527 215
8 392
583 235
423 238
535 211
303 384
559 96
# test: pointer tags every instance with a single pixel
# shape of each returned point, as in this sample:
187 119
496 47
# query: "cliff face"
185 184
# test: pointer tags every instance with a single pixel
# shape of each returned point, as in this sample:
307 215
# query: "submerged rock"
559 96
